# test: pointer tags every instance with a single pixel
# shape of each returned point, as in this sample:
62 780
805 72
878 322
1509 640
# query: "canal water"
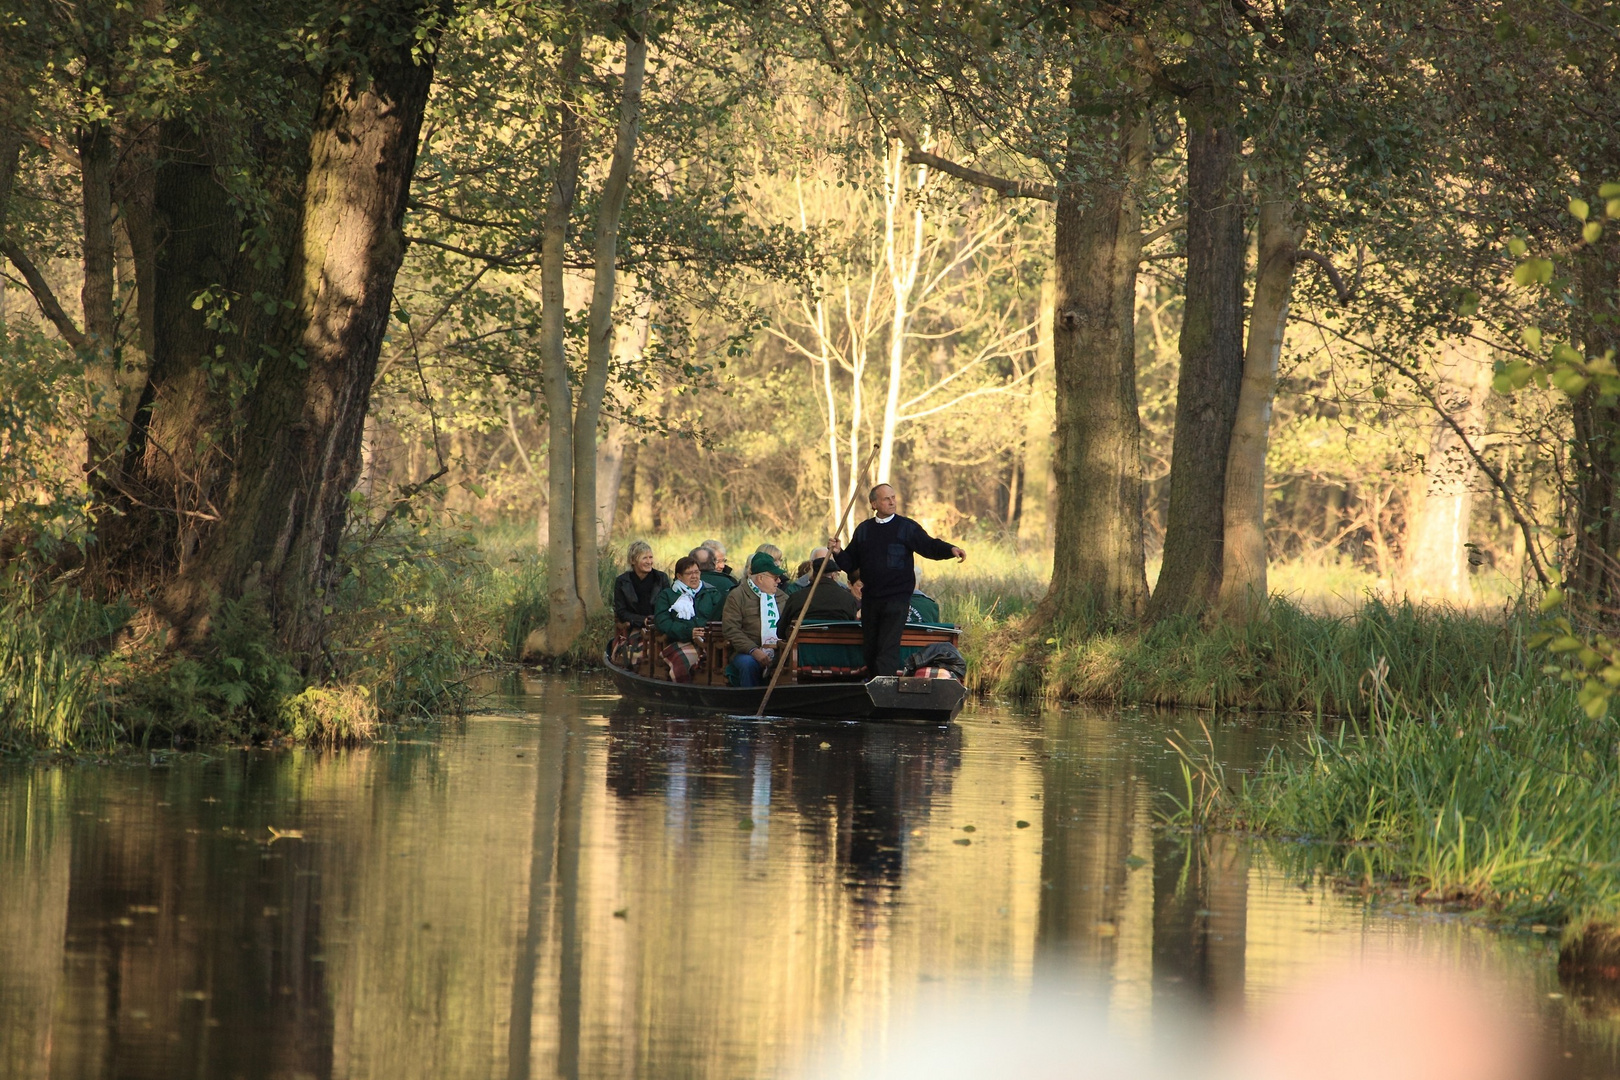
562 885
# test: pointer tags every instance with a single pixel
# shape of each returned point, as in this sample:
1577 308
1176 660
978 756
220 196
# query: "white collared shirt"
884 521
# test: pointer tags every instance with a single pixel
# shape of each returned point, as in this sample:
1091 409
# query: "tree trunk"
1034 516
902 279
566 613
300 448
1211 370
1097 560
1244 593
1442 498
97 161
600 340
610 454
1595 450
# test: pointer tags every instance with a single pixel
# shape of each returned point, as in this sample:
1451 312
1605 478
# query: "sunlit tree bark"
1243 576
300 448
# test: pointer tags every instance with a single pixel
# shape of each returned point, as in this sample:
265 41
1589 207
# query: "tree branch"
1468 444
1344 292
42 294
1006 186
1174 225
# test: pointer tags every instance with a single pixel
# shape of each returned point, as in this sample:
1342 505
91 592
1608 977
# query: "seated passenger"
750 618
924 608
681 613
832 600
634 590
801 580
719 551
710 570
855 588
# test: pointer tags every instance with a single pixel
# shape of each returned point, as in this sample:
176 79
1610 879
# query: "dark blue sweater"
883 555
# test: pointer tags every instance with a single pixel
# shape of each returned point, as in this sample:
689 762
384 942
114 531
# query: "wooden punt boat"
816 686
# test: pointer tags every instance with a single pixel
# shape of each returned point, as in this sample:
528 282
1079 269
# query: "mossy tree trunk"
1097 523
299 452
1211 368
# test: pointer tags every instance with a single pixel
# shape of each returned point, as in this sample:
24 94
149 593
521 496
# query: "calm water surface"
568 887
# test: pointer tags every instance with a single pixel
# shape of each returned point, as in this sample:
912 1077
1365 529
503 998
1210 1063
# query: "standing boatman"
882 549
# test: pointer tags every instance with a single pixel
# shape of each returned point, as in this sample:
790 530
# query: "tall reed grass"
50 694
1511 800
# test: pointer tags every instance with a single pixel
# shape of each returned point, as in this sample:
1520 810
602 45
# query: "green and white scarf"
683 606
768 615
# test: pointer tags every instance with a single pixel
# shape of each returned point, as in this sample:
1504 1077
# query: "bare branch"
1012 189
56 148
1344 292
43 296
1175 225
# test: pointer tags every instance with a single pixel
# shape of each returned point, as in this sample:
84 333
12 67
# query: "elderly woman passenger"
682 612
636 588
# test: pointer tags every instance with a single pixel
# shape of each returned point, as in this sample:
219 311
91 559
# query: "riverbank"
421 609
1508 804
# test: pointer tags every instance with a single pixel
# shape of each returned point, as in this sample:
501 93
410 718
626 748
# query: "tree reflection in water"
577 888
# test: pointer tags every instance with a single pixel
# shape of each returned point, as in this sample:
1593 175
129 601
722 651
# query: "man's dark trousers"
882 623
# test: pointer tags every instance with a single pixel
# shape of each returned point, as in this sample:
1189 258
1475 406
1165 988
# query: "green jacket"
924 608
721 583
706 607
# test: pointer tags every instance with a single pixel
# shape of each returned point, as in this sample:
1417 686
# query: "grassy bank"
1382 657
421 608
1510 802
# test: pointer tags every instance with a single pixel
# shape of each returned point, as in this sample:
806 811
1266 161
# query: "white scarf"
768 615
682 607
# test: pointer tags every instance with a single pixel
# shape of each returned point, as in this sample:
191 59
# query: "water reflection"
576 888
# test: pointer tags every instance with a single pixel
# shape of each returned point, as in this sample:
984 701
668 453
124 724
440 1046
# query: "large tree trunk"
1243 593
300 447
177 459
600 340
1034 516
1442 498
1211 370
1097 560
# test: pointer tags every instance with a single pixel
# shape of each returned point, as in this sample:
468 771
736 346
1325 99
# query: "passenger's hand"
961 556
762 655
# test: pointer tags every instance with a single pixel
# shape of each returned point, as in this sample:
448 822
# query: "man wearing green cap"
749 620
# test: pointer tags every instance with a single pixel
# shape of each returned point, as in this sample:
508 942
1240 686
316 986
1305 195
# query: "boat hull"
891 699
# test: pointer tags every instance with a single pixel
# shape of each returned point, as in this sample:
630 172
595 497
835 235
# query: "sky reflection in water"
574 888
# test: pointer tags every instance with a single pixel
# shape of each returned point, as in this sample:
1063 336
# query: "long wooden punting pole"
787 650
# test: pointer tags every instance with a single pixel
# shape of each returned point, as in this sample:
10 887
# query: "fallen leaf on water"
1022 824
964 842
284 834
622 913
826 746
746 823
